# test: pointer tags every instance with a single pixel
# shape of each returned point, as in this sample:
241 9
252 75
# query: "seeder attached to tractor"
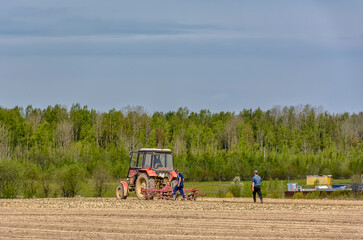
167 193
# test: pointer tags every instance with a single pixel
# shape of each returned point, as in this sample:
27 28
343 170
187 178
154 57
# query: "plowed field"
107 218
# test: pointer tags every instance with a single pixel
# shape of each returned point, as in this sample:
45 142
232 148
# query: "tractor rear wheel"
142 183
120 192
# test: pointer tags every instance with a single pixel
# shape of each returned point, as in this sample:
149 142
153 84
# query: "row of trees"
26 178
283 142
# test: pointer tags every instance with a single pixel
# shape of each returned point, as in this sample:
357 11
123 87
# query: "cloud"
31 22
63 30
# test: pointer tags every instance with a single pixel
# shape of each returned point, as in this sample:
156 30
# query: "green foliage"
313 195
236 187
221 192
101 179
282 142
275 188
336 195
212 189
10 178
247 189
298 195
356 182
31 176
332 195
46 179
229 195
69 179
323 194
346 195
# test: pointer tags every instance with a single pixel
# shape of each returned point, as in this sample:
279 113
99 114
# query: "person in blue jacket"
256 186
179 186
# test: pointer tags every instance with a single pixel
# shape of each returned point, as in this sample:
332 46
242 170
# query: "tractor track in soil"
208 218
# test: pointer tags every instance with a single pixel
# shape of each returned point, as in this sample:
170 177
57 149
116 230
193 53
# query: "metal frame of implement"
167 193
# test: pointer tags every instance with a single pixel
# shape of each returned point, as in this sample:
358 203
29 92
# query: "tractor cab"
151 158
152 161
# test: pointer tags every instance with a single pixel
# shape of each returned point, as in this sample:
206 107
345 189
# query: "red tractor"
151 169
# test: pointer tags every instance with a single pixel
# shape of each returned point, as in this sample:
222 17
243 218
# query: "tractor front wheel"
120 192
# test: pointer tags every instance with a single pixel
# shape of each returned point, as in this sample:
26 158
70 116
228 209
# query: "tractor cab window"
163 161
169 161
147 160
157 163
140 161
134 159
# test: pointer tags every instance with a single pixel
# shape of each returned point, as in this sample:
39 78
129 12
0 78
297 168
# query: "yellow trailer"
319 180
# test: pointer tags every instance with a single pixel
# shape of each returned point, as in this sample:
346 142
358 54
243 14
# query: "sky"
162 55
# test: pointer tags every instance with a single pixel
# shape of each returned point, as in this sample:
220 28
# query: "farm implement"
167 193
151 174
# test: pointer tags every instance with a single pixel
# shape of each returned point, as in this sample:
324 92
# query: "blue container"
292 187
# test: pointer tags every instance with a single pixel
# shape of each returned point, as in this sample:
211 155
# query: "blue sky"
216 55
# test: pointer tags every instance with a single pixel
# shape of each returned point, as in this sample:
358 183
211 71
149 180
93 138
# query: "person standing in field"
256 186
179 186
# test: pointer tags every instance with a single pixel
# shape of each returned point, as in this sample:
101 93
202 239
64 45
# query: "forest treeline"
283 142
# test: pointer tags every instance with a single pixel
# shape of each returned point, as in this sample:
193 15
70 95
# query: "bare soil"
208 218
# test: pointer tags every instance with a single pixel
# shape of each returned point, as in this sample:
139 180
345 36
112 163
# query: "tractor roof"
155 150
